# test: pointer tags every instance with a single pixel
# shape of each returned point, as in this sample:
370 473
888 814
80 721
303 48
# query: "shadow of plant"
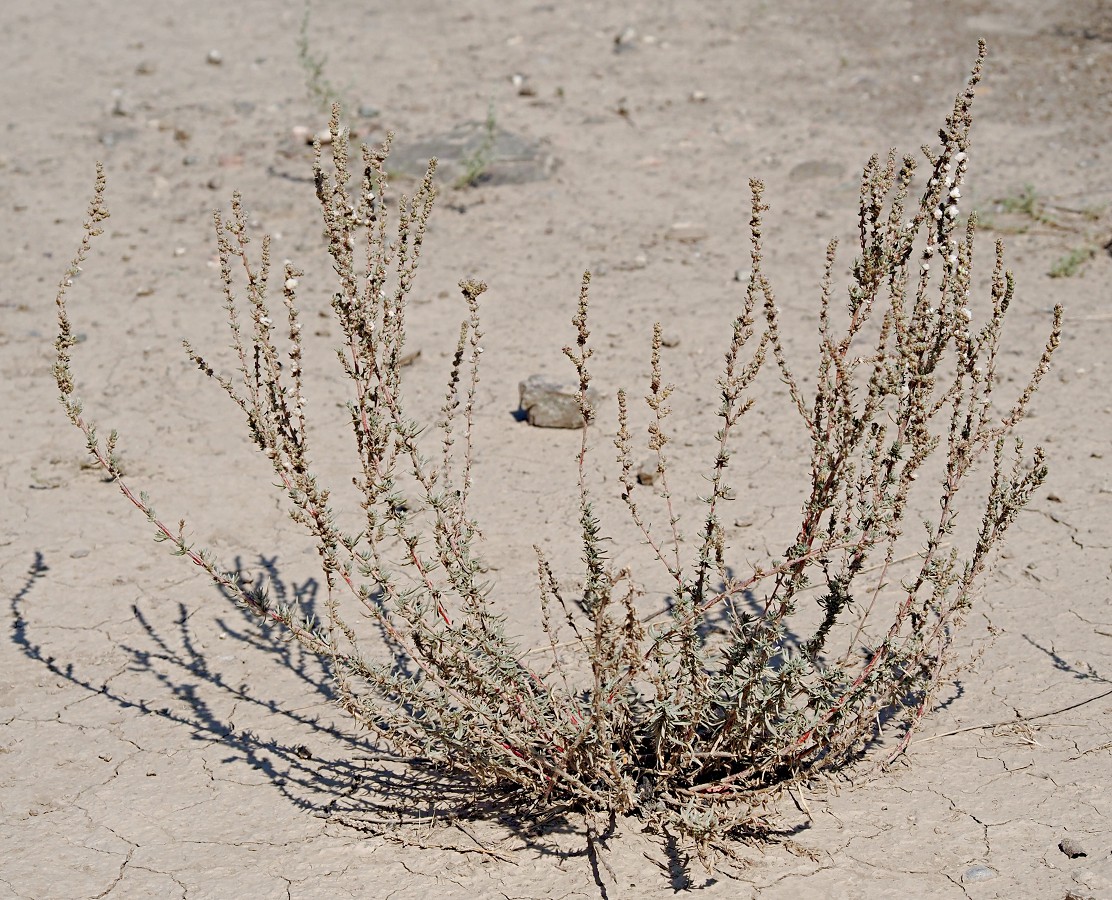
1089 673
355 783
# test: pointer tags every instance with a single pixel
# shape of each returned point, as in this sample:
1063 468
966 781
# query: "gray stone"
977 873
1071 848
816 168
508 158
550 403
625 40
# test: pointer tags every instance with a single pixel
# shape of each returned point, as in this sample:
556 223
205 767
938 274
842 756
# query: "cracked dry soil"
153 743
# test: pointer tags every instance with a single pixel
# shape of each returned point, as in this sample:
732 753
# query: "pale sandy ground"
152 743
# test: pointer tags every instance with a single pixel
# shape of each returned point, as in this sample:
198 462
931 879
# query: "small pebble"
647 473
1071 848
120 105
214 58
625 39
522 86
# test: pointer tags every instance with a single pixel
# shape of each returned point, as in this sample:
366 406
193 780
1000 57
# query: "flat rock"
510 158
551 403
816 168
687 232
977 873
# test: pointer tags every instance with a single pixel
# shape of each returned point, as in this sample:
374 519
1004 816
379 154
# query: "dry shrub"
692 730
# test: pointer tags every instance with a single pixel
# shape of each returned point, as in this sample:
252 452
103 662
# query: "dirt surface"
154 744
